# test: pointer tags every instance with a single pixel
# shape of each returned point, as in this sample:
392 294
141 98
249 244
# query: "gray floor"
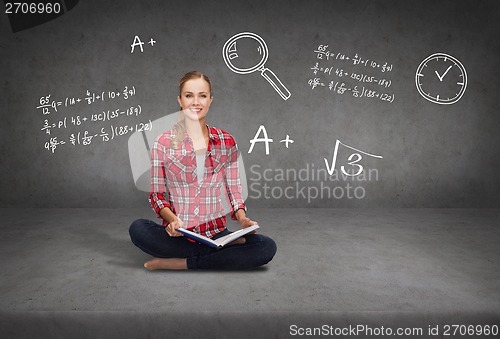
75 273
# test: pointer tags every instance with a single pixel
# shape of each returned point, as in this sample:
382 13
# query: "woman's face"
195 98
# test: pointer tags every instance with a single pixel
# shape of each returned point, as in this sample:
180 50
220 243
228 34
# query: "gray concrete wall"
433 155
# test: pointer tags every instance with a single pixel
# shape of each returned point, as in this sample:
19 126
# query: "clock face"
441 79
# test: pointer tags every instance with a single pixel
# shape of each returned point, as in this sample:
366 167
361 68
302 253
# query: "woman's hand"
246 222
171 228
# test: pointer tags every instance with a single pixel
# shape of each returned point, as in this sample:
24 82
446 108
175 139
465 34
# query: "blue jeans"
152 238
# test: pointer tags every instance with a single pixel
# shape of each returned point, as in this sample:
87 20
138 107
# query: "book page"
235 235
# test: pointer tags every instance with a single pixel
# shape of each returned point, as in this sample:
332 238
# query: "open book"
222 241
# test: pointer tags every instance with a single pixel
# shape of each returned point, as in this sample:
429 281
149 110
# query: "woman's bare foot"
166 264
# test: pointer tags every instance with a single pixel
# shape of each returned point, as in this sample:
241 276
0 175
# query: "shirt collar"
212 133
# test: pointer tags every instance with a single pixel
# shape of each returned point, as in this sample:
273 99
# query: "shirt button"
196 210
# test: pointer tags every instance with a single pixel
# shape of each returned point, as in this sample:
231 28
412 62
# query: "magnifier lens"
245 53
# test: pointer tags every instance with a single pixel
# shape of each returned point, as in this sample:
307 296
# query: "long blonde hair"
180 127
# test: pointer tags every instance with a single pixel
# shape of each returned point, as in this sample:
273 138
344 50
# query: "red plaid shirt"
174 181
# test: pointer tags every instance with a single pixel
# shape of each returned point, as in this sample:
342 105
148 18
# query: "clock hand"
446 71
441 77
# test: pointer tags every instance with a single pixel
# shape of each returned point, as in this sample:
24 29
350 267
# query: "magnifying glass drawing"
247 52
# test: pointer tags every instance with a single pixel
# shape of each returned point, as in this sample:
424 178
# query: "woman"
194 166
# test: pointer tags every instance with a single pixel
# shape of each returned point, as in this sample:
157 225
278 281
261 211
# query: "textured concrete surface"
75 272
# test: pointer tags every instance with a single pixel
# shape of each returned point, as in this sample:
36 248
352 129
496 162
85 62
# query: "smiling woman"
194 167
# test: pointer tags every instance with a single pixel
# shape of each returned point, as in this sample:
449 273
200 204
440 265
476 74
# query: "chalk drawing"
322 51
247 52
265 139
287 141
441 79
139 42
350 160
353 74
57 118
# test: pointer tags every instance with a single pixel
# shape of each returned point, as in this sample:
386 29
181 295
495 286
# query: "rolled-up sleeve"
158 188
233 181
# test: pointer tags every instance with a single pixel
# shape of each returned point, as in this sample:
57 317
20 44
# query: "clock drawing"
441 79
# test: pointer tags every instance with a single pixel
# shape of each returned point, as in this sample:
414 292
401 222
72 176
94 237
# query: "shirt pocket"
219 163
180 169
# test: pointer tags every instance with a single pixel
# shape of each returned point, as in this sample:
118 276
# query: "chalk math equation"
361 77
56 120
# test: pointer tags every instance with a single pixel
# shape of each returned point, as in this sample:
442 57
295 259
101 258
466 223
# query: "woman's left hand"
246 222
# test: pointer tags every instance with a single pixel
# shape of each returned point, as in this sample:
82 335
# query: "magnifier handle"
276 83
